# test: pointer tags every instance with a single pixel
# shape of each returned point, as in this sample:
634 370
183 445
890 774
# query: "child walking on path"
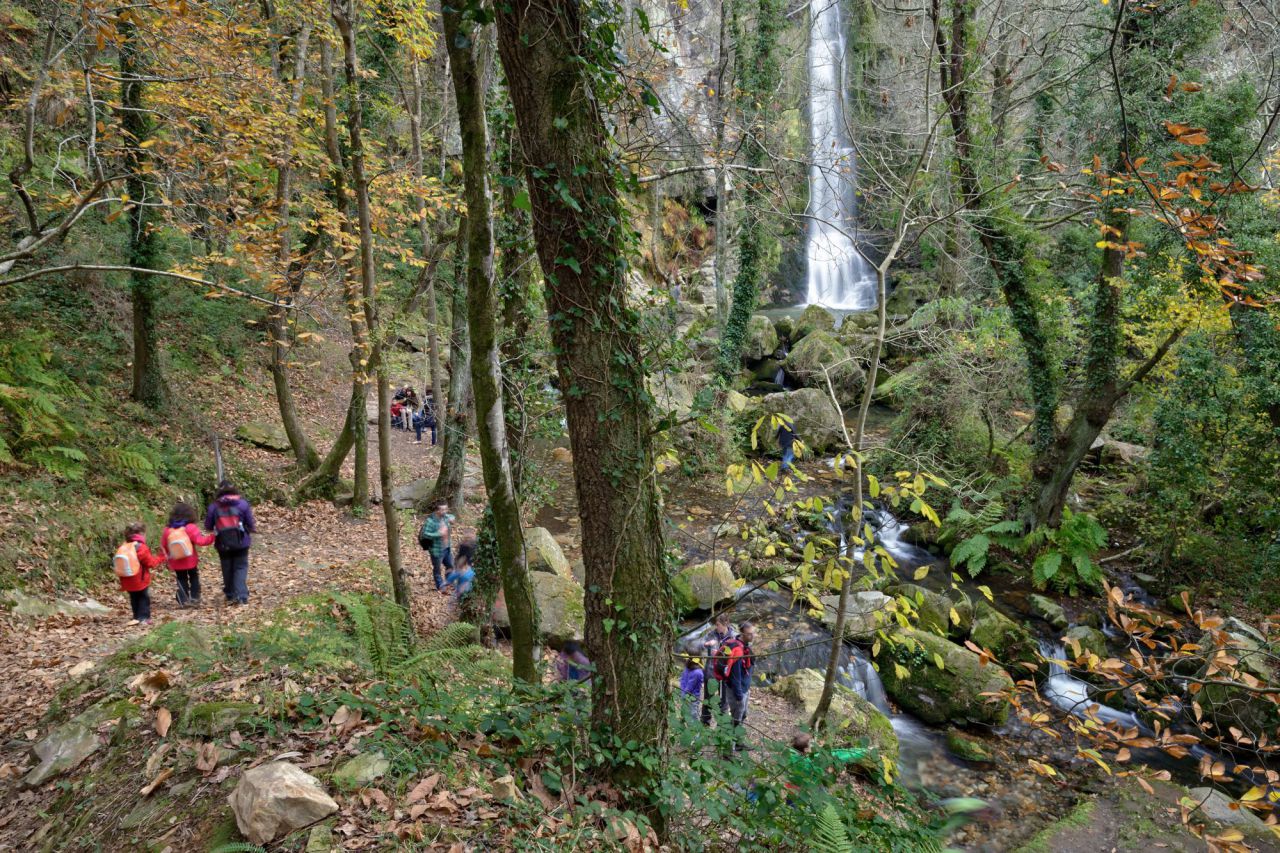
179 542
133 563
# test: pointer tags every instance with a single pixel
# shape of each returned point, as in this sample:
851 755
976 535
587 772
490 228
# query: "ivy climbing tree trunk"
578 228
454 414
344 12
486 372
148 379
758 77
415 111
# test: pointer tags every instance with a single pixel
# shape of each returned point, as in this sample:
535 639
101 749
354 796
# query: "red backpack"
721 658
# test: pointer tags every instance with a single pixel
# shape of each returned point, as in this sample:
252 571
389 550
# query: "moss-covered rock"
209 719
967 746
852 720
704 585
814 318
865 613
950 693
561 612
761 338
364 769
1008 640
544 553
264 435
784 327
820 355
1048 610
1088 639
934 609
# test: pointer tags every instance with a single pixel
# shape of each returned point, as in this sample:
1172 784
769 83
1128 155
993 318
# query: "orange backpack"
125 562
180 547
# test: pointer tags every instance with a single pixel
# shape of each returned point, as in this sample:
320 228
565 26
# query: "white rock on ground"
277 798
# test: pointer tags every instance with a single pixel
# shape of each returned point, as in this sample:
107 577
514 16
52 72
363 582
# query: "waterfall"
838 277
865 681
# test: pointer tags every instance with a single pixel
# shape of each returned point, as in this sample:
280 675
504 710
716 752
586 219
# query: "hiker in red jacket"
178 543
133 563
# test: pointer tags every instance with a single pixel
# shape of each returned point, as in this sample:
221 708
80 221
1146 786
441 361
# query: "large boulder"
274 799
1219 807
29 605
814 318
910 292
562 615
1008 640
933 609
851 719
672 393
704 585
761 338
1227 706
820 355
865 613
816 420
412 494
264 435
950 693
544 553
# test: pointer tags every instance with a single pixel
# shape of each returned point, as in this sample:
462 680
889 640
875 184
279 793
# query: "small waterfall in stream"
838 277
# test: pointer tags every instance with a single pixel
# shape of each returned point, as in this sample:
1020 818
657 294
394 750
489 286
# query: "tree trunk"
433 319
578 225
860 428
454 414
724 53
344 18
486 370
292 275
356 429
148 379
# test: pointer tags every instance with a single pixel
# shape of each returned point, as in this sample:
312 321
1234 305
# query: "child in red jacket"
179 542
133 566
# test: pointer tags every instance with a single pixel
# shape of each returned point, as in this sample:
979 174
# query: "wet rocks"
814 318
817 422
760 340
820 356
274 799
1048 610
1008 640
1088 639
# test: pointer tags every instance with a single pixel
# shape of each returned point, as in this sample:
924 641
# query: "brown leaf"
156 782
164 719
423 789
207 757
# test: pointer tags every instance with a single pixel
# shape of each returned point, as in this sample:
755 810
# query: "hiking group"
228 527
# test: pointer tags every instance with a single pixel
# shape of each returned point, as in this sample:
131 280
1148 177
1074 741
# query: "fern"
239 847
385 637
131 463
972 553
1067 558
829 833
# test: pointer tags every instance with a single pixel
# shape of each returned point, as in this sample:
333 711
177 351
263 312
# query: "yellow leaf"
147 143
921 573
901 671
1252 795
955 617
937 658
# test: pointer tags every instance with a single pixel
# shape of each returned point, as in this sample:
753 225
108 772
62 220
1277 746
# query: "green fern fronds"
239 847
829 833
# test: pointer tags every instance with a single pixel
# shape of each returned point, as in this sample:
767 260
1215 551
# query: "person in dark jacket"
230 519
737 680
787 444
721 632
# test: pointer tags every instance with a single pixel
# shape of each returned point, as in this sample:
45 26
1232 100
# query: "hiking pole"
217 456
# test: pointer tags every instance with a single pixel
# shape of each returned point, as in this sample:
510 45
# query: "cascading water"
838 277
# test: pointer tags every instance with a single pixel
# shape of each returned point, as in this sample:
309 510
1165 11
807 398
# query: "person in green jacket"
436 539
802 767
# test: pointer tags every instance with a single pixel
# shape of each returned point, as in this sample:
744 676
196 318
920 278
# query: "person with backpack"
178 542
737 679
692 681
426 418
132 563
435 538
230 519
721 632
573 664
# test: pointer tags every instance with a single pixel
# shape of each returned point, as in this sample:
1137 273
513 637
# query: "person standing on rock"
786 442
737 682
230 519
435 538
721 632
